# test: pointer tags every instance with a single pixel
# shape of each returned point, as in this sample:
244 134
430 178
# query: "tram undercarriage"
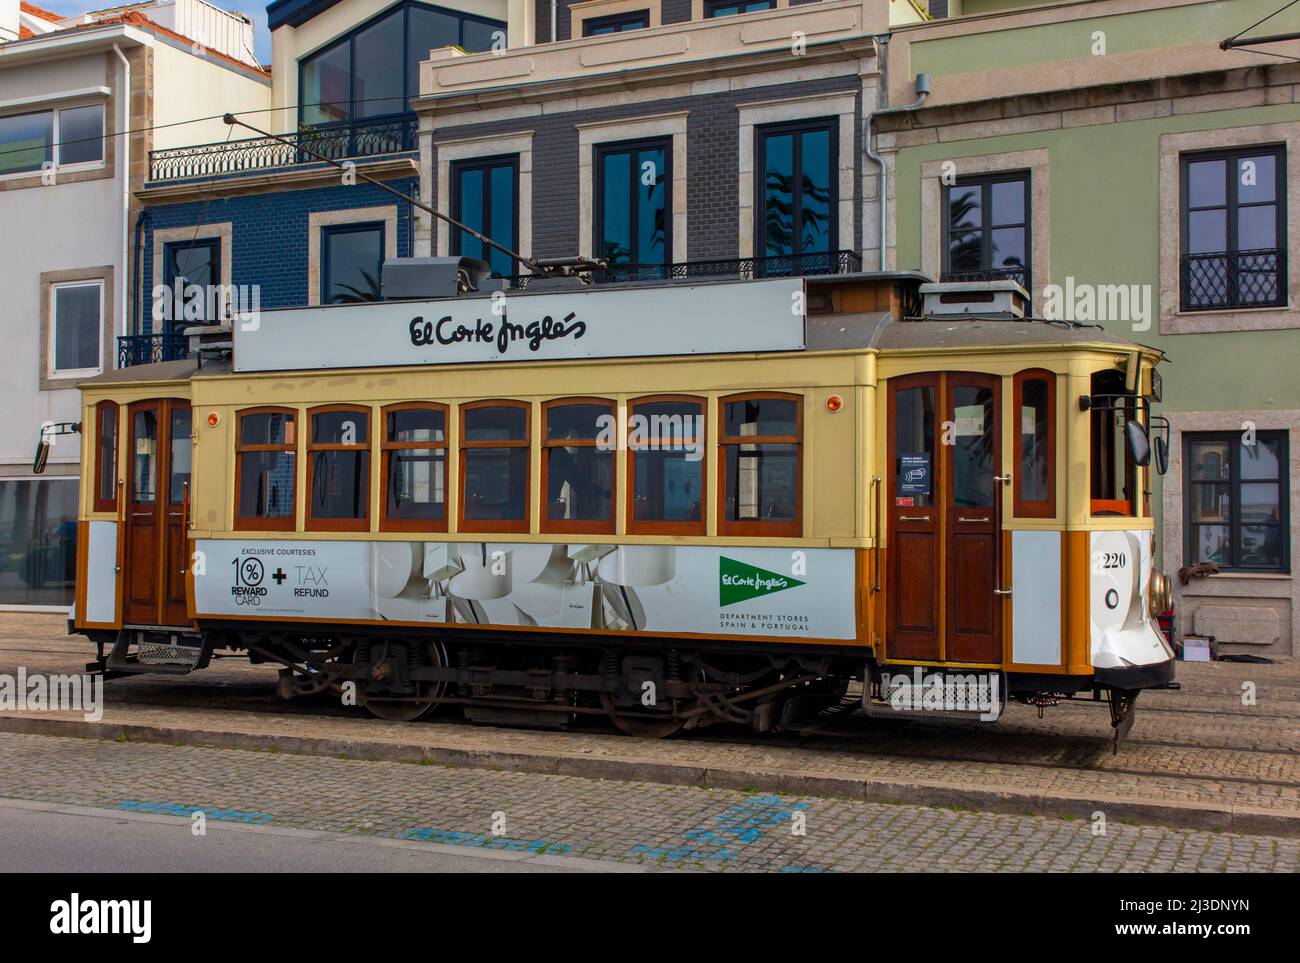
548 682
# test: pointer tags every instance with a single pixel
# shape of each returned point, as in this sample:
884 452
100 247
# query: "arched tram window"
1114 476
415 467
494 440
338 469
761 448
265 469
578 465
1034 434
665 442
106 456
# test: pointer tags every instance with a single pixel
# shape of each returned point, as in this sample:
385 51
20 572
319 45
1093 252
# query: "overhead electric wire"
1231 42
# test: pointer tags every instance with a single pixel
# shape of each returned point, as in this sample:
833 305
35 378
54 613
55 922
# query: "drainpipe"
554 15
922 92
124 132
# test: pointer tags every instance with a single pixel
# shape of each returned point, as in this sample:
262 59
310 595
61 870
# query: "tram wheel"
404 709
640 726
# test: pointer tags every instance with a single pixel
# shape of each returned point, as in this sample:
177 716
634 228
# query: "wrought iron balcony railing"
151 348
747 268
1233 279
335 141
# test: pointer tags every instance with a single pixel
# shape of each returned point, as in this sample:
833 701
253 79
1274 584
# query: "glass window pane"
762 482
579 483
779 231
816 221
651 191
502 228
1208 460
340 428
482 36
616 208
668 486
81 134
503 423
762 416
106 455
580 421
1261 546
1259 462
1207 232
38 527
1008 247
1256 228
471 201
377 80
1207 184
182 448
266 428
1260 503
144 457
1008 202
1211 543
1256 178
972 454
914 447
326 92
417 424
266 484
76 327
340 484
417 483
26 142
352 262
660 424
495 483
1035 468
1210 503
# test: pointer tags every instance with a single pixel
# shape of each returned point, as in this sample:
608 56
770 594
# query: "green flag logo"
740 581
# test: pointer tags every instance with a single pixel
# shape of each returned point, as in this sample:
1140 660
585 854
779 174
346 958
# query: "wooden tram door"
158 476
944 446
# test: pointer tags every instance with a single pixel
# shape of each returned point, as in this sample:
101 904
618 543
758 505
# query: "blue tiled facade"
270 236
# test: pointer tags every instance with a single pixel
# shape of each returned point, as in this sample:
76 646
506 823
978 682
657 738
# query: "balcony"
1233 279
739 269
374 138
151 348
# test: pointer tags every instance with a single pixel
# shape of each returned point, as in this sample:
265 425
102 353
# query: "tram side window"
665 440
415 468
494 440
106 456
1035 444
338 469
266 469
1114 476
578 465
760 465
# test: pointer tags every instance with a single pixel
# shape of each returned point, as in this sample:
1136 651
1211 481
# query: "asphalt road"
43 837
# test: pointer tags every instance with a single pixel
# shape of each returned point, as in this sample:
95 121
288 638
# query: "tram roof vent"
1003 299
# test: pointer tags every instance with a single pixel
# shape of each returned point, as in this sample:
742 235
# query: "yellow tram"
669 503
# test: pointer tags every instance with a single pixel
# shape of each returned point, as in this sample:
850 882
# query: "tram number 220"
1113 560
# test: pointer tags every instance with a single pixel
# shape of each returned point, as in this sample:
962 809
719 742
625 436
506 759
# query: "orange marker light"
834 403
214 419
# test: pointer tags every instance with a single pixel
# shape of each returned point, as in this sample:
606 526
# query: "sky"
251 8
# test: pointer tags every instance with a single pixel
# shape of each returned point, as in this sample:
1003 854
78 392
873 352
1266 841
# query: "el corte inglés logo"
740 581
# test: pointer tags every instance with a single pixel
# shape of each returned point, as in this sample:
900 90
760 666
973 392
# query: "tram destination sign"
724 318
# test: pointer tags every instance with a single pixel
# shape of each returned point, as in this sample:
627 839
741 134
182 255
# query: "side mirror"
1139 446
1162 455
42 454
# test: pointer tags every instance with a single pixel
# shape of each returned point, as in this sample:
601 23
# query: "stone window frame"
317 220
580 13
697 10
105 167
670 125
1036 161
1272 590
755 114
162 236
1173 320
49 280
518 142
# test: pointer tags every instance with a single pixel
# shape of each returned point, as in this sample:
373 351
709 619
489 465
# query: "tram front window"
1114 476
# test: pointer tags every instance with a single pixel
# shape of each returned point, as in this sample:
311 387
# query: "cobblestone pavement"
673 827
1230 738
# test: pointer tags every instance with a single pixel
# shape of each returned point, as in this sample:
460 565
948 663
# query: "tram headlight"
1161 594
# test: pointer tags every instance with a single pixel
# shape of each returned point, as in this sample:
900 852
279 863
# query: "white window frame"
59 374
57 165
